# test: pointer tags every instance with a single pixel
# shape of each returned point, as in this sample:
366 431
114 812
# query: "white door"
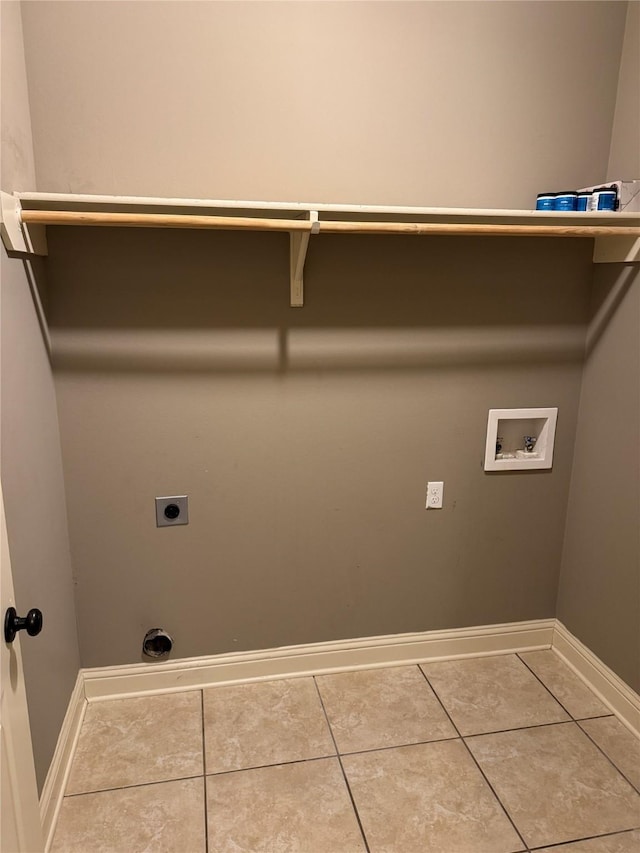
20 828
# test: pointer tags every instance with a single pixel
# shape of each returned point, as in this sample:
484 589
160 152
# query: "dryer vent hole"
157 643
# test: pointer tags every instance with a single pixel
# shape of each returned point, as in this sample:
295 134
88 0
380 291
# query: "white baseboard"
56 781
610 688
316 659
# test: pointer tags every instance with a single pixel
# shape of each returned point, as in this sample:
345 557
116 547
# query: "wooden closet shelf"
616 235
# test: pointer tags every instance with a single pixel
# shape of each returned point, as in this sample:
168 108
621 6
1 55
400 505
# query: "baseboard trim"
315 659
610 688
56 781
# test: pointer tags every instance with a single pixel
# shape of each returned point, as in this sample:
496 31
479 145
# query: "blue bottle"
545 201
607 199
567 200
584 200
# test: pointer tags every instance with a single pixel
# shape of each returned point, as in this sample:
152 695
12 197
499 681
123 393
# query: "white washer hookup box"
520 439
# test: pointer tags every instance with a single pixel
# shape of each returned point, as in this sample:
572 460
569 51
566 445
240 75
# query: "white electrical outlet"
434 495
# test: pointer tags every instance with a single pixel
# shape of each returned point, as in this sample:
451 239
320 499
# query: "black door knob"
13 623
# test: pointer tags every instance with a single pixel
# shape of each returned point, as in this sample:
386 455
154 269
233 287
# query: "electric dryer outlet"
172 510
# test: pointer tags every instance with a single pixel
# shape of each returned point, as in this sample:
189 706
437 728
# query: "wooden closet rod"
479 229
161 220
244 223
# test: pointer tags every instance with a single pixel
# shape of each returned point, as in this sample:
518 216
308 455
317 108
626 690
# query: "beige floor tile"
492 694
301 807
565 685
556 785
136 741
621 842
429 798
382 707
618 743
165 818
271 722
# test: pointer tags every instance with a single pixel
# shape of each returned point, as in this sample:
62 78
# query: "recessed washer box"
509 431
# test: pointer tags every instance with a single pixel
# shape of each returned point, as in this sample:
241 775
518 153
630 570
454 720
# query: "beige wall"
429 103
17 163
599 592
305 439
624 154
31 464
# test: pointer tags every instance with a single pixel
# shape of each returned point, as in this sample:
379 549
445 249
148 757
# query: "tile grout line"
135 785
458 736
344 775
276 764
520 728
548 689
200 775
593 717
610 760
577 721
475 761
398 746
565 709
561 844
553 696
204 778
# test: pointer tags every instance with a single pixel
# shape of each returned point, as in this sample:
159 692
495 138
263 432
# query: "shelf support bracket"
298 245
19 239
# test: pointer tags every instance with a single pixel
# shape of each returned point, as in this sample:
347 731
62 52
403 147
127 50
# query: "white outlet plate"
435 491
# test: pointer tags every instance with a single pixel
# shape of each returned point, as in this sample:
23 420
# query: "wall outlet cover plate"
172 511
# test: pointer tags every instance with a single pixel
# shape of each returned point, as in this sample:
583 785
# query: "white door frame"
20 826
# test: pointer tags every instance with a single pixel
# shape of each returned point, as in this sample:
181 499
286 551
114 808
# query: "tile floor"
489 755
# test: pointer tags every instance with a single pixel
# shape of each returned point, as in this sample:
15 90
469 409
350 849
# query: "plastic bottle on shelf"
584 200
545 201
567 200
604 198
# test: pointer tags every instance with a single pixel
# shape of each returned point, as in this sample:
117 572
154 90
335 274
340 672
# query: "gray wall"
432 103
624 153
599 592
32 480
305 439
